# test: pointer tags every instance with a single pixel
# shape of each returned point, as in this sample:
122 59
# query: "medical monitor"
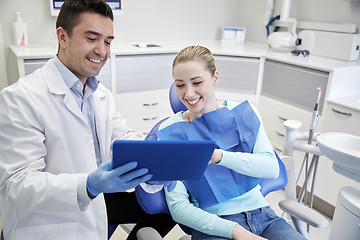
114 4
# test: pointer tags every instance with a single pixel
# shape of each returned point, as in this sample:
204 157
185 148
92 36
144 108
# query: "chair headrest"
175 102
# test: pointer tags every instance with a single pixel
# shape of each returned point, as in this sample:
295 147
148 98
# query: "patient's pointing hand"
170 185
216 157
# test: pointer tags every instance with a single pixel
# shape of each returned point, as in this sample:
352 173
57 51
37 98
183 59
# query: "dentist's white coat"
46 148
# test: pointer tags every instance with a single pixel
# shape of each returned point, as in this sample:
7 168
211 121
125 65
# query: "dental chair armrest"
148 233
303 213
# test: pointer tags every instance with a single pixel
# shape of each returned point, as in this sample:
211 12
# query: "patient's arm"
184 212
240 233
261 162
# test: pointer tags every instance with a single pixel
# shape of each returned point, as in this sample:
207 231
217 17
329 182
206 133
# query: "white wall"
172 20
3 75
142 20
251 14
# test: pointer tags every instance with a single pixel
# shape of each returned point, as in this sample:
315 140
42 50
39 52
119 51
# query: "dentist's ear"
216 77
61 36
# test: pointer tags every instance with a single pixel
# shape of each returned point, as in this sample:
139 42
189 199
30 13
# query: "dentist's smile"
94 60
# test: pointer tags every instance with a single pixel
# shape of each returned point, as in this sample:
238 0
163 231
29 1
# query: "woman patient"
226 203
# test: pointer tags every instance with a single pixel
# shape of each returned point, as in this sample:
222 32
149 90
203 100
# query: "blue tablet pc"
166 160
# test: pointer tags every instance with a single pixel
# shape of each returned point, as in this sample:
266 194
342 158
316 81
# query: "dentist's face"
194 85
86 51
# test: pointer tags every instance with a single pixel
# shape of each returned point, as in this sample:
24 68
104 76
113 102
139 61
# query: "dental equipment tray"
166 160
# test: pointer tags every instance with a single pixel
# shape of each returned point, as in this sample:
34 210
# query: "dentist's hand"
170 185
108 180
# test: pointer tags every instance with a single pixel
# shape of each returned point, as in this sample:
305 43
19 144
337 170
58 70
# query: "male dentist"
57 126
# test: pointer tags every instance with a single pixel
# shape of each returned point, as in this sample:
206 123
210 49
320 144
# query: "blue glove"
170 185
108 180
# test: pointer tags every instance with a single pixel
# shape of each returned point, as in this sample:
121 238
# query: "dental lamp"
304 42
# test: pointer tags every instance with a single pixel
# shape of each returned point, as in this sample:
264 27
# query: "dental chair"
153 203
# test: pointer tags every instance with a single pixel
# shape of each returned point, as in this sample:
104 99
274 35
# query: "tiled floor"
272 198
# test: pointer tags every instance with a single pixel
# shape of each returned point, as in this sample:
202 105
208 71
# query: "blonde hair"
196 53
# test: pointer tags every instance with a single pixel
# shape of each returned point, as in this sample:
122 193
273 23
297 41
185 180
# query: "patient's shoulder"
177 117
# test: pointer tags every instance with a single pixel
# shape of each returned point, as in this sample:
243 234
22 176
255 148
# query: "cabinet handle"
150 104
341 113
280 134
277 149
282 118
149 119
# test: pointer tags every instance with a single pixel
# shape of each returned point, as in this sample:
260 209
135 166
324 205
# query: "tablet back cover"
166 160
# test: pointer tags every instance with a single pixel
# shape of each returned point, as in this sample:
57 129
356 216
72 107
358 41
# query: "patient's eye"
180 85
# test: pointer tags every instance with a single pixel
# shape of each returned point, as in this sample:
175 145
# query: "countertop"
347 97
248 49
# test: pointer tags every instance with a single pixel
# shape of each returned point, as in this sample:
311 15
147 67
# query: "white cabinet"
274 113
143 72
144 109
27 65
289 92
338 119
294 85
237 74
31 64
139 78
238 78
142 89
342 119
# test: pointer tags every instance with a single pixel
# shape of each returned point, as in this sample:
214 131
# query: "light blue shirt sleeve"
260 163
186 213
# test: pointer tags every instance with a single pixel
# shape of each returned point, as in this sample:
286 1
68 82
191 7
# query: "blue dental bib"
233 130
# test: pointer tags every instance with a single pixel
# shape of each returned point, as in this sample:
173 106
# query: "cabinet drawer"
342 119
143 103
235 97
237 74
143 72
275 133
277 113
30 65
293 84
105 75
143 124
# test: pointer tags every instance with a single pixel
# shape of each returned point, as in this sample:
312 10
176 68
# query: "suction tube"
285 12
268 11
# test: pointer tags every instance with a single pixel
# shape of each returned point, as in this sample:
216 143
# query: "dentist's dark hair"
70 11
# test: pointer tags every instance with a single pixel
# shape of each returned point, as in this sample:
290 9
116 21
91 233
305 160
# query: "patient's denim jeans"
263 222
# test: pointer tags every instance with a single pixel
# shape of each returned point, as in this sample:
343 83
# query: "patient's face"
194 85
